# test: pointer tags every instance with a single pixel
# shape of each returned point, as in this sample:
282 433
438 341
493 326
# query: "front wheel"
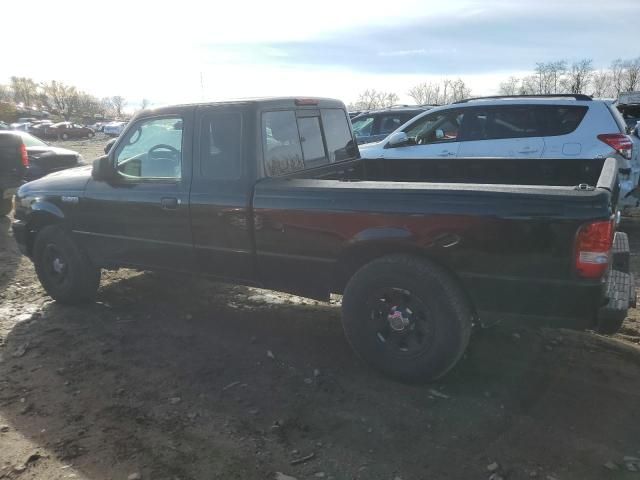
6 205
406 317
65 136
63 268
90 135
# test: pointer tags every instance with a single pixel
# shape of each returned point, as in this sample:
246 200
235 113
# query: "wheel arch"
42 215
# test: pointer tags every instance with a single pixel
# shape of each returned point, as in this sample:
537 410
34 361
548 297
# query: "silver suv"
553 126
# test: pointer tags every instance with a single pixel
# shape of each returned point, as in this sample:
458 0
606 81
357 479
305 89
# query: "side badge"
70 199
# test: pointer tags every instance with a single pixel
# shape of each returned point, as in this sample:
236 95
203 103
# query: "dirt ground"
182 378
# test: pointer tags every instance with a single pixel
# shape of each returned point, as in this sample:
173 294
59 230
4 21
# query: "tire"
6 205
64 270
90 135
65 136
420 343
609 324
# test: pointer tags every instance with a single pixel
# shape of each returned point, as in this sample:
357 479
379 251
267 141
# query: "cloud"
485 40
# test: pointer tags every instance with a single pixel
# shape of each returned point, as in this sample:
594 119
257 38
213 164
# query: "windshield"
31 141
362 126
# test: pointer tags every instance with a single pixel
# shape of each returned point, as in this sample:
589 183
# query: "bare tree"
601 83
372 98
145 103
5 93
388 99
62 98
25 90
446 91
617 76
631 75
578 76
529 85
459 91
425 93
118 103
510 87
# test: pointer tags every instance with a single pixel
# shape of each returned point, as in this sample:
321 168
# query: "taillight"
620 142
593 248
23 155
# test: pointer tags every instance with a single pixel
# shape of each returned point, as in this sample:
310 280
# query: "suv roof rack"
575 96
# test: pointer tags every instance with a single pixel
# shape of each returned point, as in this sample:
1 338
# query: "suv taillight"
593 248
620 142
23 155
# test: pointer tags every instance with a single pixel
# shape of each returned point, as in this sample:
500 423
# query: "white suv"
556 126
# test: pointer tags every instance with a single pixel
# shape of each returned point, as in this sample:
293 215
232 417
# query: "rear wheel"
6 206
65 136
63 268
90 135
406 317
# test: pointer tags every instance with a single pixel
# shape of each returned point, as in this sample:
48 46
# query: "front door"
141 217
435 135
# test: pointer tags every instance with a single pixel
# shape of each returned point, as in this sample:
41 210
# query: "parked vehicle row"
24 157
274 193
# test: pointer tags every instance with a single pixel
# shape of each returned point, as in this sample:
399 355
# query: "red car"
67 130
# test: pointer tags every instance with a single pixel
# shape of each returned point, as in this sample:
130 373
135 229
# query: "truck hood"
70 180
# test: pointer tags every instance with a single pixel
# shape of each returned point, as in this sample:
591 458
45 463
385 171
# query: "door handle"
169 203
528 150
446 153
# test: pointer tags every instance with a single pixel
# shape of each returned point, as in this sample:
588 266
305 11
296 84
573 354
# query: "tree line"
556 77
577 77
58 99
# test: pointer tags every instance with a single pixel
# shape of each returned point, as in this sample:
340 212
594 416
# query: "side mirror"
439 134
397 139
109 144
102 169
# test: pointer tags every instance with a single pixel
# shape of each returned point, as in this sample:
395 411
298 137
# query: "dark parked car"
13 162
273 193
375 125
66 130
42 158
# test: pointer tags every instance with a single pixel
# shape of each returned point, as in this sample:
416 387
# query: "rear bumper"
579 304
20 233
620 287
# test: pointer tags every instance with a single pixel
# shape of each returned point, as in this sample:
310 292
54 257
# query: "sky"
186 50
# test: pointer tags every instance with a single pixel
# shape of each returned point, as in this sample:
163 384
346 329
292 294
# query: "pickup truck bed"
273 193
510 245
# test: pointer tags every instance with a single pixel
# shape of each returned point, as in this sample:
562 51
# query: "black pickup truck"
273 193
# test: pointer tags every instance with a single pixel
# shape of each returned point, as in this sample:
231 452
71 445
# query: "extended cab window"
281 143
311 139
220 141
152 149
340 145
